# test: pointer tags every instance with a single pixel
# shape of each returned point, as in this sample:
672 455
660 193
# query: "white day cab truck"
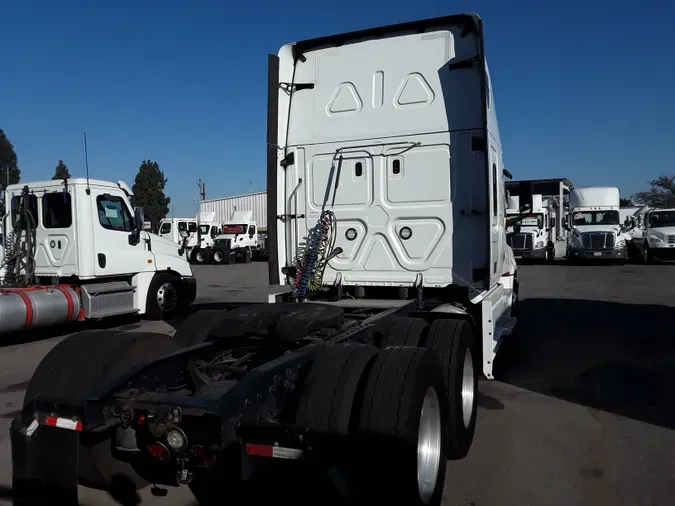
75 250
386 205
240 241
658 235
593 224
195 236
533 237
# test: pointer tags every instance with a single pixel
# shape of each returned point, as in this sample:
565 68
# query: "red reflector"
276 452
158 451
63 423
259 450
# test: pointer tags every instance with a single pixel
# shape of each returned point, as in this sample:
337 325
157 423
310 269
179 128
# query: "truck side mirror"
565 224
540 225
139 219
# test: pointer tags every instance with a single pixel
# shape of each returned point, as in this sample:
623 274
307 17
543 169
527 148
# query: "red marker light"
158 451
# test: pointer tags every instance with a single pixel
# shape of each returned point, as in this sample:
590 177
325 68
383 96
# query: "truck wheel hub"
167 297
429 445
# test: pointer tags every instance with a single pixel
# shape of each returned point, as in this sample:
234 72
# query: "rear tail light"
159 451
203 457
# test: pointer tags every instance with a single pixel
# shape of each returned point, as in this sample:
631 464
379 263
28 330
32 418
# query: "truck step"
100 300
504 327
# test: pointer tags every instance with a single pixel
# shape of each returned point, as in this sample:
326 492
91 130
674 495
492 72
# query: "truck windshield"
532 220
596 218
203 229
234 229
662 219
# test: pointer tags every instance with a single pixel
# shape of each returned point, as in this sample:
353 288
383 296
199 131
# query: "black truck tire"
69 370
201 256
453 340
327 399
402 416
219 256
405 331
196 327
165 297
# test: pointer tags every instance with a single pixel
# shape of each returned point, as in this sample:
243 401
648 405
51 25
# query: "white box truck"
594 225
533 236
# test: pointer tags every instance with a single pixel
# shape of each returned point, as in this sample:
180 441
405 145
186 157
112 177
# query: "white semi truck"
75 250
239 240
533 236
594 226
192 232
658 235
386 205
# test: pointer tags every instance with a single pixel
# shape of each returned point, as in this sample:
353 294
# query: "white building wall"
224 207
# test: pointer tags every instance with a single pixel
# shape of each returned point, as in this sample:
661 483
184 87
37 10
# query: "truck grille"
521 241
597 240
671 239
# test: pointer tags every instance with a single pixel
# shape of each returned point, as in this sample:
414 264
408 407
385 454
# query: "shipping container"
225 206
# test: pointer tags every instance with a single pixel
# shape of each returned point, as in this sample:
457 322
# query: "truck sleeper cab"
403 288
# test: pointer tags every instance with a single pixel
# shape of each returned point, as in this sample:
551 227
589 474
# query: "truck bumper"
615 254
530 254
190 290
664 253
44 464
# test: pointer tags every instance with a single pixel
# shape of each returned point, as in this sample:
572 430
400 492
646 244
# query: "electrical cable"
19 261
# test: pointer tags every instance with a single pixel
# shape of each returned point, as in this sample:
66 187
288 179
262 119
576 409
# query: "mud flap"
44 464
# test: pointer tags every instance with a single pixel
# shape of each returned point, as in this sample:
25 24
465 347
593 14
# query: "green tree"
625 202
149 192
661 194
61 171
8 162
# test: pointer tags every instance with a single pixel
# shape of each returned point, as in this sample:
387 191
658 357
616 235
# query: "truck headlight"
621 243
540 244
653 239
574 240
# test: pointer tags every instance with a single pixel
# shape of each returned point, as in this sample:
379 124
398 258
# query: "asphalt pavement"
582 411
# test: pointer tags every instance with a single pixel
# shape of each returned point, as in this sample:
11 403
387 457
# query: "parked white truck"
594 225
533 237
192 232
239 240
76 250
658 235
386 205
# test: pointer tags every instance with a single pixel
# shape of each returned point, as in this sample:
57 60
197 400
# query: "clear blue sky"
583 88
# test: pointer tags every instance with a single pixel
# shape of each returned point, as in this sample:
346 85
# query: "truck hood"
163 246
662 232
597 228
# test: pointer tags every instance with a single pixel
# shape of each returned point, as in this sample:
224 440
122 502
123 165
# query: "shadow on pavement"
610 356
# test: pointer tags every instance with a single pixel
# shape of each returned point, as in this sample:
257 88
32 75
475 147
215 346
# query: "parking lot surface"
582 411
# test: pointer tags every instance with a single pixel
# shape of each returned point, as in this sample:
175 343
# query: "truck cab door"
113 224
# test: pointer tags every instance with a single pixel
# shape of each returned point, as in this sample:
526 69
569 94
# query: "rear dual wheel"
393 406
454 342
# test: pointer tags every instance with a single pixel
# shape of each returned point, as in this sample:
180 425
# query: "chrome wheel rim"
468 389
429 445
200 256
218 256
167 297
